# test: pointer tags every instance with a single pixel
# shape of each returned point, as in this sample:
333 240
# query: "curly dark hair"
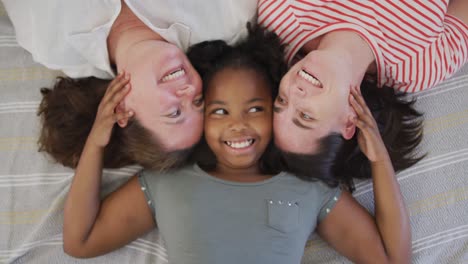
261 51
67 113
339 160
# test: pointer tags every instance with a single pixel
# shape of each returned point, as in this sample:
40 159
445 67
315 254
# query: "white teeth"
310 78
241 144
173 75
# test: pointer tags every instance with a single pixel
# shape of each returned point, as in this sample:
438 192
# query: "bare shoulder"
352 231
124 215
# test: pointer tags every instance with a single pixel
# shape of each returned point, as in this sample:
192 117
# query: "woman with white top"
162 111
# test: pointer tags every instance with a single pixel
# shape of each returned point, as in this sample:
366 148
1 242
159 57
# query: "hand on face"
106 115
312 103
166 94
369 139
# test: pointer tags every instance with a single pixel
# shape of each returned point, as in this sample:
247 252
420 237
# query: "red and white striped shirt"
415 43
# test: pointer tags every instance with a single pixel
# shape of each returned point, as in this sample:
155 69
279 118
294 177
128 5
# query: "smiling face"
238 118
166 93
312 103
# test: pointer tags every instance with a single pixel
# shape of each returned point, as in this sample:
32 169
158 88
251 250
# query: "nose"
186 91
299 91
238 124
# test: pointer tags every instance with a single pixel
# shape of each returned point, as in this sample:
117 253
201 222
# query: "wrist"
384 161
91 143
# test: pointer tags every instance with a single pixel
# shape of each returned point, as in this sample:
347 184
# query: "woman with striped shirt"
334 45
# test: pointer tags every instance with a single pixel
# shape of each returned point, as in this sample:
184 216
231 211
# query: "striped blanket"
33 188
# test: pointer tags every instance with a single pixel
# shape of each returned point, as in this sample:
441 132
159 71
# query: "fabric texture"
33 188
204 219
71 35
415 43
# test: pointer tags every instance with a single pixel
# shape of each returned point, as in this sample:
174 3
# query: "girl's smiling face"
238 118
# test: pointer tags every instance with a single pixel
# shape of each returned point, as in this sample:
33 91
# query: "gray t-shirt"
204 219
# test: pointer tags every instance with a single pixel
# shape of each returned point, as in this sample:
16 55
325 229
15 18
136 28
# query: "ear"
350 126
121 109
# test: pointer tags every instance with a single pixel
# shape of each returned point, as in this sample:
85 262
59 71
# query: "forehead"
232 83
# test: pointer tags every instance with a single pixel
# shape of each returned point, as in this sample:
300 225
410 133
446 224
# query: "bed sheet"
33 188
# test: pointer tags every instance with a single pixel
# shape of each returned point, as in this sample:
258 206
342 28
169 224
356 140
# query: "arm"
349 228
92 227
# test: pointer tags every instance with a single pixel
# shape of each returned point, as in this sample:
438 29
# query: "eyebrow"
257 99
277 109
216 102
253 100
299 124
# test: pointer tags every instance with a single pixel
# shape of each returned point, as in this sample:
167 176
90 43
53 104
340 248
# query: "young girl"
235 212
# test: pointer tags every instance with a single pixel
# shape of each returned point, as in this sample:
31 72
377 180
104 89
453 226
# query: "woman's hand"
89 224
106 115
369 138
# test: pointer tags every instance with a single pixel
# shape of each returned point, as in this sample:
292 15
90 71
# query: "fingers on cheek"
119 97
362 125
116 80
126 89
119 81
120 94
357 107
123 82
117 88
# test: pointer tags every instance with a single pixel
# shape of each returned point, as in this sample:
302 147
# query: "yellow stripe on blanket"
16 143
2 10
438 200
445 122
18 218
316 245
433 202
27 74
33 216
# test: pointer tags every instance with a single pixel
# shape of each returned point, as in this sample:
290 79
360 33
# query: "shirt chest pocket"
283 215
